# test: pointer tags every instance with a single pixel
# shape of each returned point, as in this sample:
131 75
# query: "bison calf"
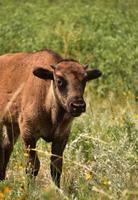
40 94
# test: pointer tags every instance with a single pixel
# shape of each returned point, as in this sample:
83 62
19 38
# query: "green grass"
101 158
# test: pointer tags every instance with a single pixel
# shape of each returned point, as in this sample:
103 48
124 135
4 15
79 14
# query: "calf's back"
17 81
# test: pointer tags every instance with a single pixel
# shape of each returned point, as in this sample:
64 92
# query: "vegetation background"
101 158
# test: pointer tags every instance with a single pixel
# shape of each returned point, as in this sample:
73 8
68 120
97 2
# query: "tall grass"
101 33
101 158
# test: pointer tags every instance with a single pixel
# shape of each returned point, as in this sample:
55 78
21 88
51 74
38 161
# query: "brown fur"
36 107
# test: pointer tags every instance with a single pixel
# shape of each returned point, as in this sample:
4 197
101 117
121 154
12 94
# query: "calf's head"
69 80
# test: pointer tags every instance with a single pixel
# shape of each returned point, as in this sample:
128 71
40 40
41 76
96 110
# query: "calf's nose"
78 105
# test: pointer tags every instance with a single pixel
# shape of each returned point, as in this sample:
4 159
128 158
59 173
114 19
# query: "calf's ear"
43 73
93 74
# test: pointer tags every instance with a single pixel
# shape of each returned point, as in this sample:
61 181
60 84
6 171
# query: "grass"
101 158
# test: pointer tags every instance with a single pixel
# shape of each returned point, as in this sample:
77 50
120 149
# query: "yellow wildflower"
106 181
26 154
88 175
1 195
7 190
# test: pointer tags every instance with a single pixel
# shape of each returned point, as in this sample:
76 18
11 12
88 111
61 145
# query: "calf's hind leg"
13 132
7 142
2 175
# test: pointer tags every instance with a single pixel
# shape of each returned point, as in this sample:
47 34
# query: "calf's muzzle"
77 106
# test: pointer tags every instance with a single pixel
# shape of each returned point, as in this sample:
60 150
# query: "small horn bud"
86 66
53 66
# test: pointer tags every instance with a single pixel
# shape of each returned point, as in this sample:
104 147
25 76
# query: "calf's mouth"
77 107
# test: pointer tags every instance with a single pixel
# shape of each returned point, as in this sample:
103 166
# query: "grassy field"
101 158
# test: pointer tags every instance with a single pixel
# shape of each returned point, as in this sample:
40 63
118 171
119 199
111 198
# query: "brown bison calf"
40 94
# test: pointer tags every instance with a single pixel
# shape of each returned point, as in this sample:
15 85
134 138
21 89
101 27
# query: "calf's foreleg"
33 163
56 160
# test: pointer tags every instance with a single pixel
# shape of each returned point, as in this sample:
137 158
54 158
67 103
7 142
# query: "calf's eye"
61 83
